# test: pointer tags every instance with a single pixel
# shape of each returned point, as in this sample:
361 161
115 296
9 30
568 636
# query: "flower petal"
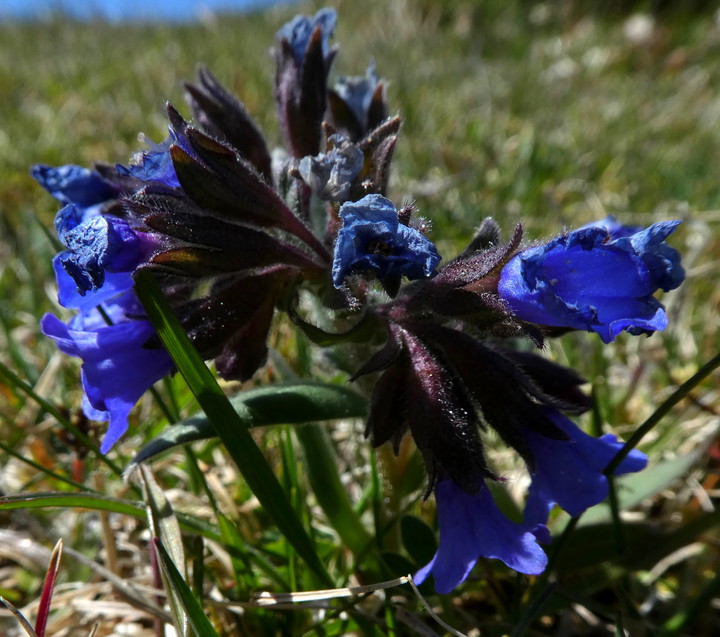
117 367
570 472
599 278
472 526
73 184
373 240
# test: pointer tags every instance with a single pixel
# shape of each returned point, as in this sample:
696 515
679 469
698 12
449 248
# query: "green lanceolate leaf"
279 404
321 468
228 424
197 619
166 529
418 539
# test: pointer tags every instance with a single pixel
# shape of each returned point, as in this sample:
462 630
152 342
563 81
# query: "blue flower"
117 368
95 244
570 472
155 164
298 31
358 93
373 240
73 184
588 279
472 526
331 174
71 298
615 228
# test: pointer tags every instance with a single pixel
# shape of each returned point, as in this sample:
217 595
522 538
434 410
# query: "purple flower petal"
69 297
95 244
155 164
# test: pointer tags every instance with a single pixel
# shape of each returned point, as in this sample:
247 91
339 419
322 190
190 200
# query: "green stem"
320 465
680 393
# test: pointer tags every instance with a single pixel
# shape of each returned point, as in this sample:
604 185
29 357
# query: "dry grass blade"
431 612
273 599
138 599
24 623
285 600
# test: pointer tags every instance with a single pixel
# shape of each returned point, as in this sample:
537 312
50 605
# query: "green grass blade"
93 501
16 382
166 529
98 502
196 616
679 622
43 470
228 425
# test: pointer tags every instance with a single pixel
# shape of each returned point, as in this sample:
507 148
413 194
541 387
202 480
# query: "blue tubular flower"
73 184
298 31
358 93
303 59
70 297
117 367
589 280
570 472
613 226
331 175
156 164
372 239
358 105
95 244
472 526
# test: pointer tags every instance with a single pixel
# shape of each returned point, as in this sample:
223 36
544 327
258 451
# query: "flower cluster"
233 235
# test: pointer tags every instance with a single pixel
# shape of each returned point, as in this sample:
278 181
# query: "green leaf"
278 404
398 565
165 527
242 567
646 544
197 619
228 425
321 467
592 545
